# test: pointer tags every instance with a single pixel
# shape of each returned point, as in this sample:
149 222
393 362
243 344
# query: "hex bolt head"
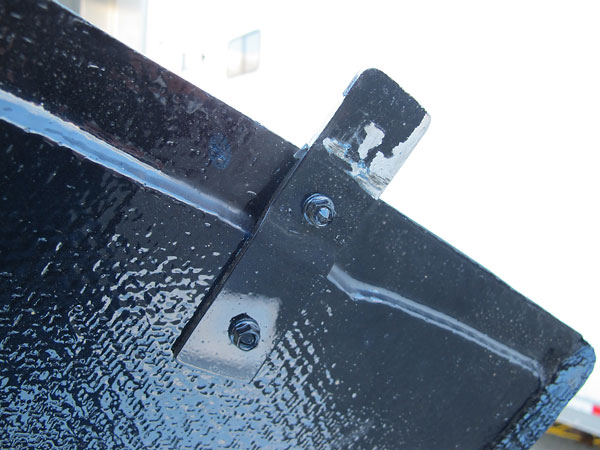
319 210
244 332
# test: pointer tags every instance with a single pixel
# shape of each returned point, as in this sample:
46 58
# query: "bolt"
319 210
244 332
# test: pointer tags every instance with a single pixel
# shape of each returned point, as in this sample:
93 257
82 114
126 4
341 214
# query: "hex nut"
244 332
319 210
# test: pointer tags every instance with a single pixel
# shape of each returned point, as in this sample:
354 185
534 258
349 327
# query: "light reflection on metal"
363 292
35 119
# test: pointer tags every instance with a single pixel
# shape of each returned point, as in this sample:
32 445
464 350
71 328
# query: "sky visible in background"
509 171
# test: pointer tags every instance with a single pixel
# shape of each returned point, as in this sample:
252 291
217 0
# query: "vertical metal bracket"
381 300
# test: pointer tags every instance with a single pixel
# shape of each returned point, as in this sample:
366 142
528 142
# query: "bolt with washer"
319 210
244 332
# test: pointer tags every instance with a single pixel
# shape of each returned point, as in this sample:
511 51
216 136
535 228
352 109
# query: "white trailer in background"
582 414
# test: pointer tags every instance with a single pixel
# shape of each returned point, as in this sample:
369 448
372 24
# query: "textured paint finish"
96 281
374 332
98 276
35 119
53 58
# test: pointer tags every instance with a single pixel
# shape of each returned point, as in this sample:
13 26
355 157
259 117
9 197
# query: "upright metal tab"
374 130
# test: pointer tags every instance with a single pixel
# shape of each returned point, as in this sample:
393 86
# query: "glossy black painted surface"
160 198
420 347
97 277
51 57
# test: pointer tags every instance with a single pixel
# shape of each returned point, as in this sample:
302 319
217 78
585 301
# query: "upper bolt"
244 332
319 210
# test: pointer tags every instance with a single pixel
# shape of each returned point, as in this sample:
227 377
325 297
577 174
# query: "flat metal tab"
210 347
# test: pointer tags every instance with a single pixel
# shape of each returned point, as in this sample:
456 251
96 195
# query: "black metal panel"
386 337
403 333
98 275
80 74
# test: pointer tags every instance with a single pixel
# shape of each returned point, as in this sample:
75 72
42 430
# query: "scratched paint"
219 151
383 168
373 139
36 120
369 165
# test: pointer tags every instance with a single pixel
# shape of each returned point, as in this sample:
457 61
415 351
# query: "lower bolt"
244 332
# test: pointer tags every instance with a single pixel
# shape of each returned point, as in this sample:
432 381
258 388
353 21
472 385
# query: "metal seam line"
360 291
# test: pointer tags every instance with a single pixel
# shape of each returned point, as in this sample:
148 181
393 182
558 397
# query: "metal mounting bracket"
351 162
386 301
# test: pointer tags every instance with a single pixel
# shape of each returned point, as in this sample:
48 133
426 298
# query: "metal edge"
541 412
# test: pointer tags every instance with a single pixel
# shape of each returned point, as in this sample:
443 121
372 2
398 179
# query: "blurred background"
509 171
